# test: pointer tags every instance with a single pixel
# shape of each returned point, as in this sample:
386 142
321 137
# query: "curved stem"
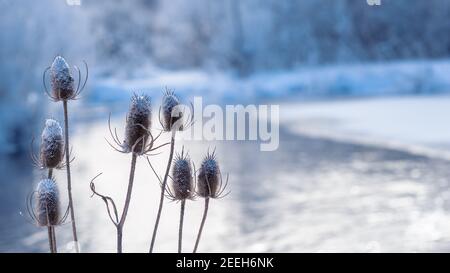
163 189
202 224
127 204
180 229
69 180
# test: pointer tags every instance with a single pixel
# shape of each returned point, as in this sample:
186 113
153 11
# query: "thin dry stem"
163 190
50 239
127 204
69 180
180 230
205 213
51 229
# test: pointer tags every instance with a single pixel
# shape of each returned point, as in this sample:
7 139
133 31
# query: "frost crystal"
52 130
47 203
138 124
52 145
61 79
209 177
182 178
170 101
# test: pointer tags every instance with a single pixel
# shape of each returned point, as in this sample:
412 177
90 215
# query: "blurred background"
364 99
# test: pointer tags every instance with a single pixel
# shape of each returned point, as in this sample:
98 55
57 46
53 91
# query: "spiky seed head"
138 124
182 179
208 181
61 80
52 145
47 211
169 103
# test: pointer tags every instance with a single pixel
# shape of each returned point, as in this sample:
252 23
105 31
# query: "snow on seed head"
209 180
47 211
182 179
52 145
169 104
138 124
61 79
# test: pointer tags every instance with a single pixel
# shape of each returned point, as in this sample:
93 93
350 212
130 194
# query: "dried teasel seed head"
138 124
170 117
182 179
208 181
47 211
61 79
52 145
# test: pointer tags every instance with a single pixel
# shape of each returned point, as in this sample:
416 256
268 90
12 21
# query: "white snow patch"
369 79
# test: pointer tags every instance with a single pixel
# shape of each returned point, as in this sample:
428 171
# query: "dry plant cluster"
186 182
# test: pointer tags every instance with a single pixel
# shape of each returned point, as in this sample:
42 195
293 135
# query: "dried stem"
54 239
180 229
51 229
50 239
163 189
202 224
127 204
69 181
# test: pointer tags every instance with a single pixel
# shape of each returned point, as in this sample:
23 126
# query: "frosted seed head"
52 145
182 179
169 103
208 181
47 211
61 79
138 124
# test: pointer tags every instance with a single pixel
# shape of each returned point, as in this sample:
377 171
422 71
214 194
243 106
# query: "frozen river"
311 195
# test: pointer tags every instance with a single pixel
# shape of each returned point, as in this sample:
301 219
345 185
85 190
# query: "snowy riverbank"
324 82
418 124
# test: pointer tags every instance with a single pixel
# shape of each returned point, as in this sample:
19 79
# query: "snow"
337 81
52 131
48 203
60 66
46 188
417 124
140 106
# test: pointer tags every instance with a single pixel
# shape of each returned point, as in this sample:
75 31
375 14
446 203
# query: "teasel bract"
182 187
62 82
64 88
138 138
138 125
51 148
209 185
44 209
172 119
138 141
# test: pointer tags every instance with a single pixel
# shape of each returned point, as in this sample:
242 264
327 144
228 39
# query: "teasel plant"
209 185
52 150
44 209
50 157
138 141
63 89
182 187
172 118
